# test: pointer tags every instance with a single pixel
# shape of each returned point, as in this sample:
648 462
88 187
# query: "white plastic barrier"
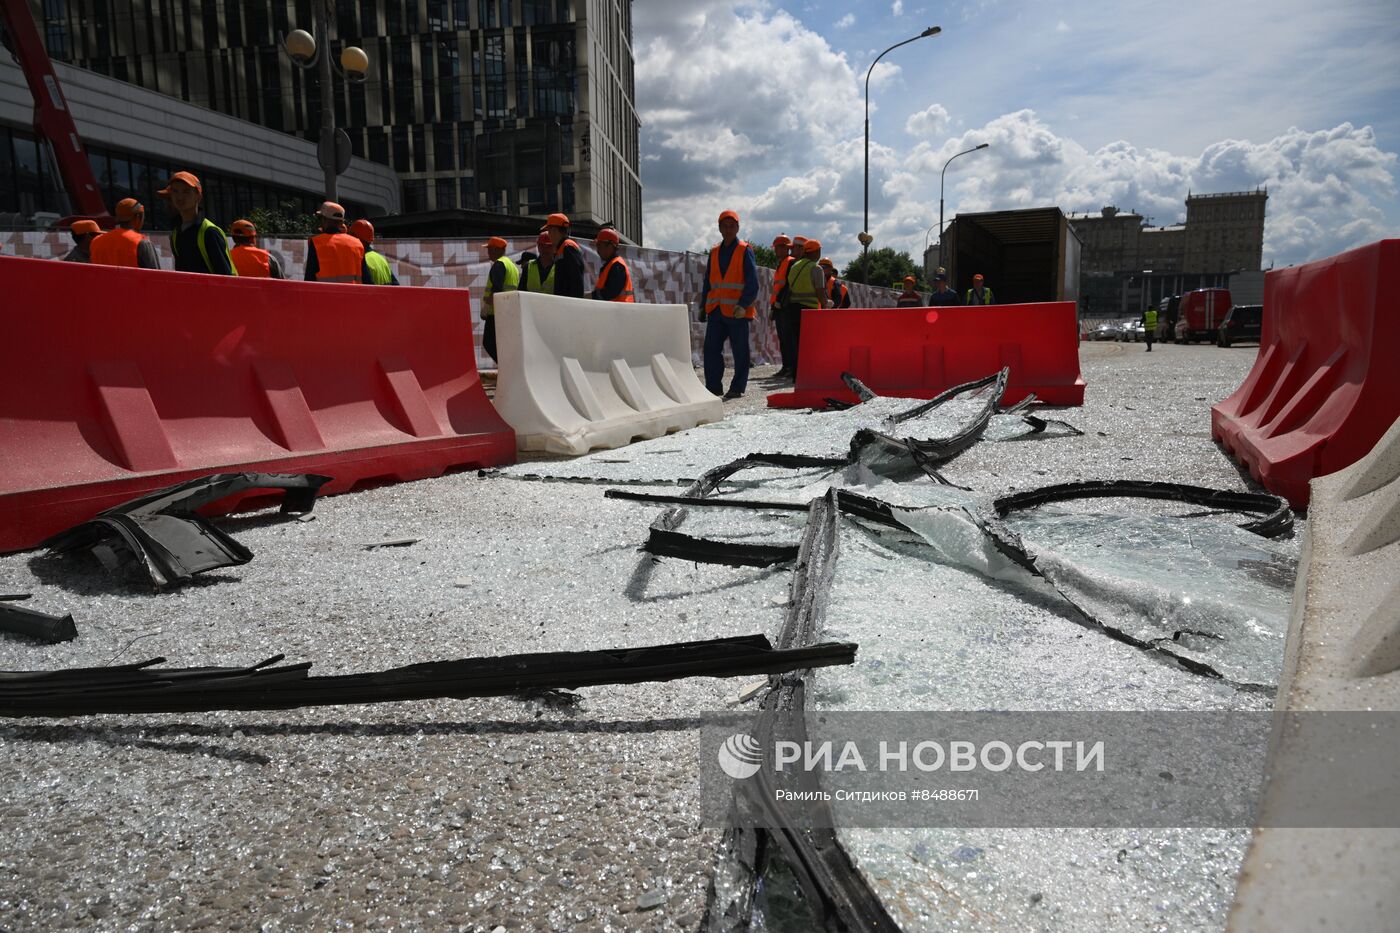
575 375
1342 654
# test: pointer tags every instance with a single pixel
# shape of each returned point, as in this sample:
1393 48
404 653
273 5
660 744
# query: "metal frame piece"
1276 519
30 623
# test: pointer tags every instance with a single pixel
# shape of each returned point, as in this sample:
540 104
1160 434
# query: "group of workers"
943 294
336 253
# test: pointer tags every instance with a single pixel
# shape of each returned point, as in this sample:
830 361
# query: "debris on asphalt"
165 534
391 542
30 623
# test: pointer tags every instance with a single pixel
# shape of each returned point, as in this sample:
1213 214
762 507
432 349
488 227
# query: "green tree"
887 269
764 256
284 220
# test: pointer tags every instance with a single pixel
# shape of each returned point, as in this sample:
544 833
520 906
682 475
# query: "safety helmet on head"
910 280
243 228
330 210
83 227
728 215
608 235
128 208
812 246
497 242
362 230
782 240
557 220
977 277
825 263
184 177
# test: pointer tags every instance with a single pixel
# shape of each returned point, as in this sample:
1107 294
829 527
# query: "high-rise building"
521 107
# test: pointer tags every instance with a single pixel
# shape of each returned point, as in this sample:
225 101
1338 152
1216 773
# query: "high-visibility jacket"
205 225
340 258
780 279
727 285
1149 320
986 298
117 247
626 293
379 268
533 282
252 262
800 289
511 283
838 293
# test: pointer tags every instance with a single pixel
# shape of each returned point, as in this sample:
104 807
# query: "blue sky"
758 106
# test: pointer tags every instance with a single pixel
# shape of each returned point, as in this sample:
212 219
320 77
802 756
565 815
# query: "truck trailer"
1026 255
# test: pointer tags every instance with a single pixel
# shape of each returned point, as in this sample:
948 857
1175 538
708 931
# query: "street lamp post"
307 52
941 177
865 237
928 233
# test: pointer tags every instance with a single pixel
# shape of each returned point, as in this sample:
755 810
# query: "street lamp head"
984 146
301 46
355 62
931 31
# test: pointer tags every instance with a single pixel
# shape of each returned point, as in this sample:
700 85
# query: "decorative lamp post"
865 237
307 51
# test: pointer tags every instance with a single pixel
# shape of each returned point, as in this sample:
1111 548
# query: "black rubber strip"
663 542
145 688
1277 518
40 626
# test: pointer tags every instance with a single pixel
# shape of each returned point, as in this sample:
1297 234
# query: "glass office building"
521 107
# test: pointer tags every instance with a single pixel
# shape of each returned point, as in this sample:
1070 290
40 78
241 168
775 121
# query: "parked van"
1244 322
1204 310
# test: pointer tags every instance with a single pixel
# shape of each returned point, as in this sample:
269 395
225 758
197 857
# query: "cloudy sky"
758 106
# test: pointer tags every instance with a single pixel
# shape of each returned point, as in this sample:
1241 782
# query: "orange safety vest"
116 247
727 285
836 292
780 279
626 293
252 262
341 258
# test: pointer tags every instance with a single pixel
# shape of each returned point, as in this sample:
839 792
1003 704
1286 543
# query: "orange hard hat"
730 215
977 277
910 280
243 228
782 240
557 220
81 227
608 235
497 242
812 246
798 239
362 230
185 177
127 208
825 262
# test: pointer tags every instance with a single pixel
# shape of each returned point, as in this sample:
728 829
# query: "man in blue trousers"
730 287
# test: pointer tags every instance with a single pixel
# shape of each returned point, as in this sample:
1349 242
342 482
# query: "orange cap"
608 235
910 280
127 208
798 239
977 277
497 242
825 262
86 226
243 228
557 220
812 246
185 177
331 211
782 240
731 215
362 230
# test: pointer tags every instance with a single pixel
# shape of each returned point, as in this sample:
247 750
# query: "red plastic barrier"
919 352
115 382
1326 383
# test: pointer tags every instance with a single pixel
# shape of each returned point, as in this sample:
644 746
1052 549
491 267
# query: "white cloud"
723 128
846 21
931 121
1062 26
883 74
897 8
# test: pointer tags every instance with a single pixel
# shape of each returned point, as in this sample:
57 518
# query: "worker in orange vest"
727 296
614 279
248 258
125 244
836 291
334 255
782 247
568 258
